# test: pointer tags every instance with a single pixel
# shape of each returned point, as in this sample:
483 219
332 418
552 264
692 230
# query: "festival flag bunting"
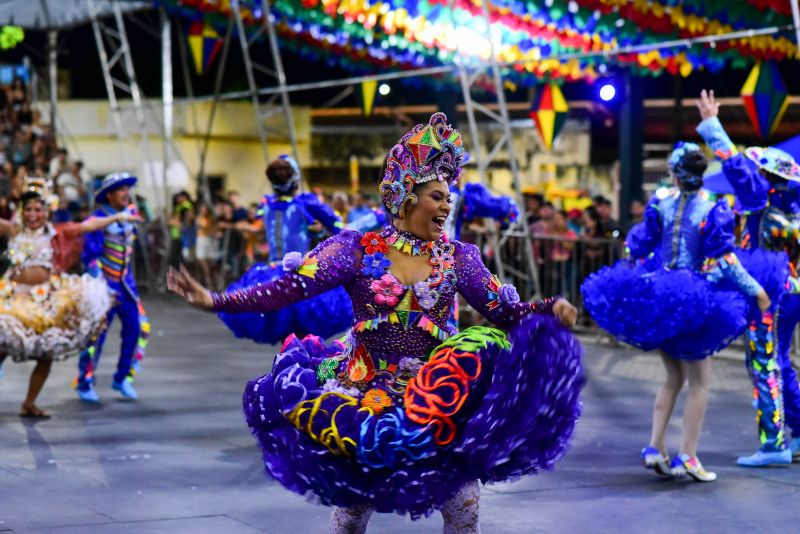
549 112
765 98
205 44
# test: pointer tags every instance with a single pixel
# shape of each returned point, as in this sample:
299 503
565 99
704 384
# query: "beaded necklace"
406 242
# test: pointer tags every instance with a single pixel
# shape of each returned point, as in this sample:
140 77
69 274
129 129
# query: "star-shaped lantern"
765 98
549 112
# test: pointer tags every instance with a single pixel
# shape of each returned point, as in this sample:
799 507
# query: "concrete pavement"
181 458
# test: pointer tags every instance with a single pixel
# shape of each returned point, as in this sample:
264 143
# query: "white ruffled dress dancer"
45 313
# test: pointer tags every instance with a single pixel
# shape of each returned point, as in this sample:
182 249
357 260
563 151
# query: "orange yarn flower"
376 400
440 389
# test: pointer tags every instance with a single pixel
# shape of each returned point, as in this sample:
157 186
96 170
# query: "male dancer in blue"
769 195
110 252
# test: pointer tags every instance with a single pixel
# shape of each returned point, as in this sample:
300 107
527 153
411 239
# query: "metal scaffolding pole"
519 229
276 72
114 51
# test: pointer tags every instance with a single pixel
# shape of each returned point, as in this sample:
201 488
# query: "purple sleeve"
643 238
500 304
333 263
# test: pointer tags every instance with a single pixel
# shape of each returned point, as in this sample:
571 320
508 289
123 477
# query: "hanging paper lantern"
549 112
205 44
765 98
368 96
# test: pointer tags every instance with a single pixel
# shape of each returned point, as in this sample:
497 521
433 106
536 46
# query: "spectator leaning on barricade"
207 245
637 214
559 256
611 226
533 203
180 203
594 246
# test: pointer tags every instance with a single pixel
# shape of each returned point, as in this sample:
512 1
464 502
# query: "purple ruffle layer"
518 420
677 311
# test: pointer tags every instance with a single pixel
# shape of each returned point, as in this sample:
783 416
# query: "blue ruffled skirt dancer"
288 218
682 291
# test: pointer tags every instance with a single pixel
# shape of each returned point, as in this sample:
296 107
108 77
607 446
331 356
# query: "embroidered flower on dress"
309 268
39 293
292 260
327 369
386 290
373 242
425 297
375 265
508 294
334 386
376 400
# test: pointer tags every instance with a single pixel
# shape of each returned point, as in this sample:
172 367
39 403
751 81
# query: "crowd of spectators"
570 245
28 149
221 239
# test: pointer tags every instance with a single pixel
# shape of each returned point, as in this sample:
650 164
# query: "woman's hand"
708 105
566 313
763 301
183 284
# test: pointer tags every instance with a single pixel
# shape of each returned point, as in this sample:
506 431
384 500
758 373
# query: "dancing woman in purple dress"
404 414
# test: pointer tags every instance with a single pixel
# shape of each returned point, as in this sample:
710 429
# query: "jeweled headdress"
427 152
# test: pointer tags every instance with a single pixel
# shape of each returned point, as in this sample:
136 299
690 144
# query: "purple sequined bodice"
390 320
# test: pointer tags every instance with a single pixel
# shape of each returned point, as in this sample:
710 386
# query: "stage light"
384 89
607 92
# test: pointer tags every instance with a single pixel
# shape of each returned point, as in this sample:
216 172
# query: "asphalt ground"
181 459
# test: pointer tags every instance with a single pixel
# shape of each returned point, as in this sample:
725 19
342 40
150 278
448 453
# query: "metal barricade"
565 262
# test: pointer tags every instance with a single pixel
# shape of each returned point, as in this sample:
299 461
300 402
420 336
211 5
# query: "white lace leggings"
460 514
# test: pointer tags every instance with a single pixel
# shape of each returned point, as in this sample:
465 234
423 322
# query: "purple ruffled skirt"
677 311
325 315
483 406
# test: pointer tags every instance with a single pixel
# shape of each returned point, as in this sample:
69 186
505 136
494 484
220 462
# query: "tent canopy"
57 14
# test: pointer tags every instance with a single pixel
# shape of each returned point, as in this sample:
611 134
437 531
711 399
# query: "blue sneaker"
794 446
653 459
88 395
766 459
126 388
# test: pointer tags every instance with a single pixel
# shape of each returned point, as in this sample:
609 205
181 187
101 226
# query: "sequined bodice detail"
681 242
32 248
286 227
389 315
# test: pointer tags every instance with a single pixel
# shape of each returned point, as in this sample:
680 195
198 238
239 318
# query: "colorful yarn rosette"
428 152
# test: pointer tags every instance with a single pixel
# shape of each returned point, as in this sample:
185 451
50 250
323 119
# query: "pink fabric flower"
386 290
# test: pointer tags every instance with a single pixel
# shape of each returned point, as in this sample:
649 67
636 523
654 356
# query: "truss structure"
265 111
526 271
120 81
